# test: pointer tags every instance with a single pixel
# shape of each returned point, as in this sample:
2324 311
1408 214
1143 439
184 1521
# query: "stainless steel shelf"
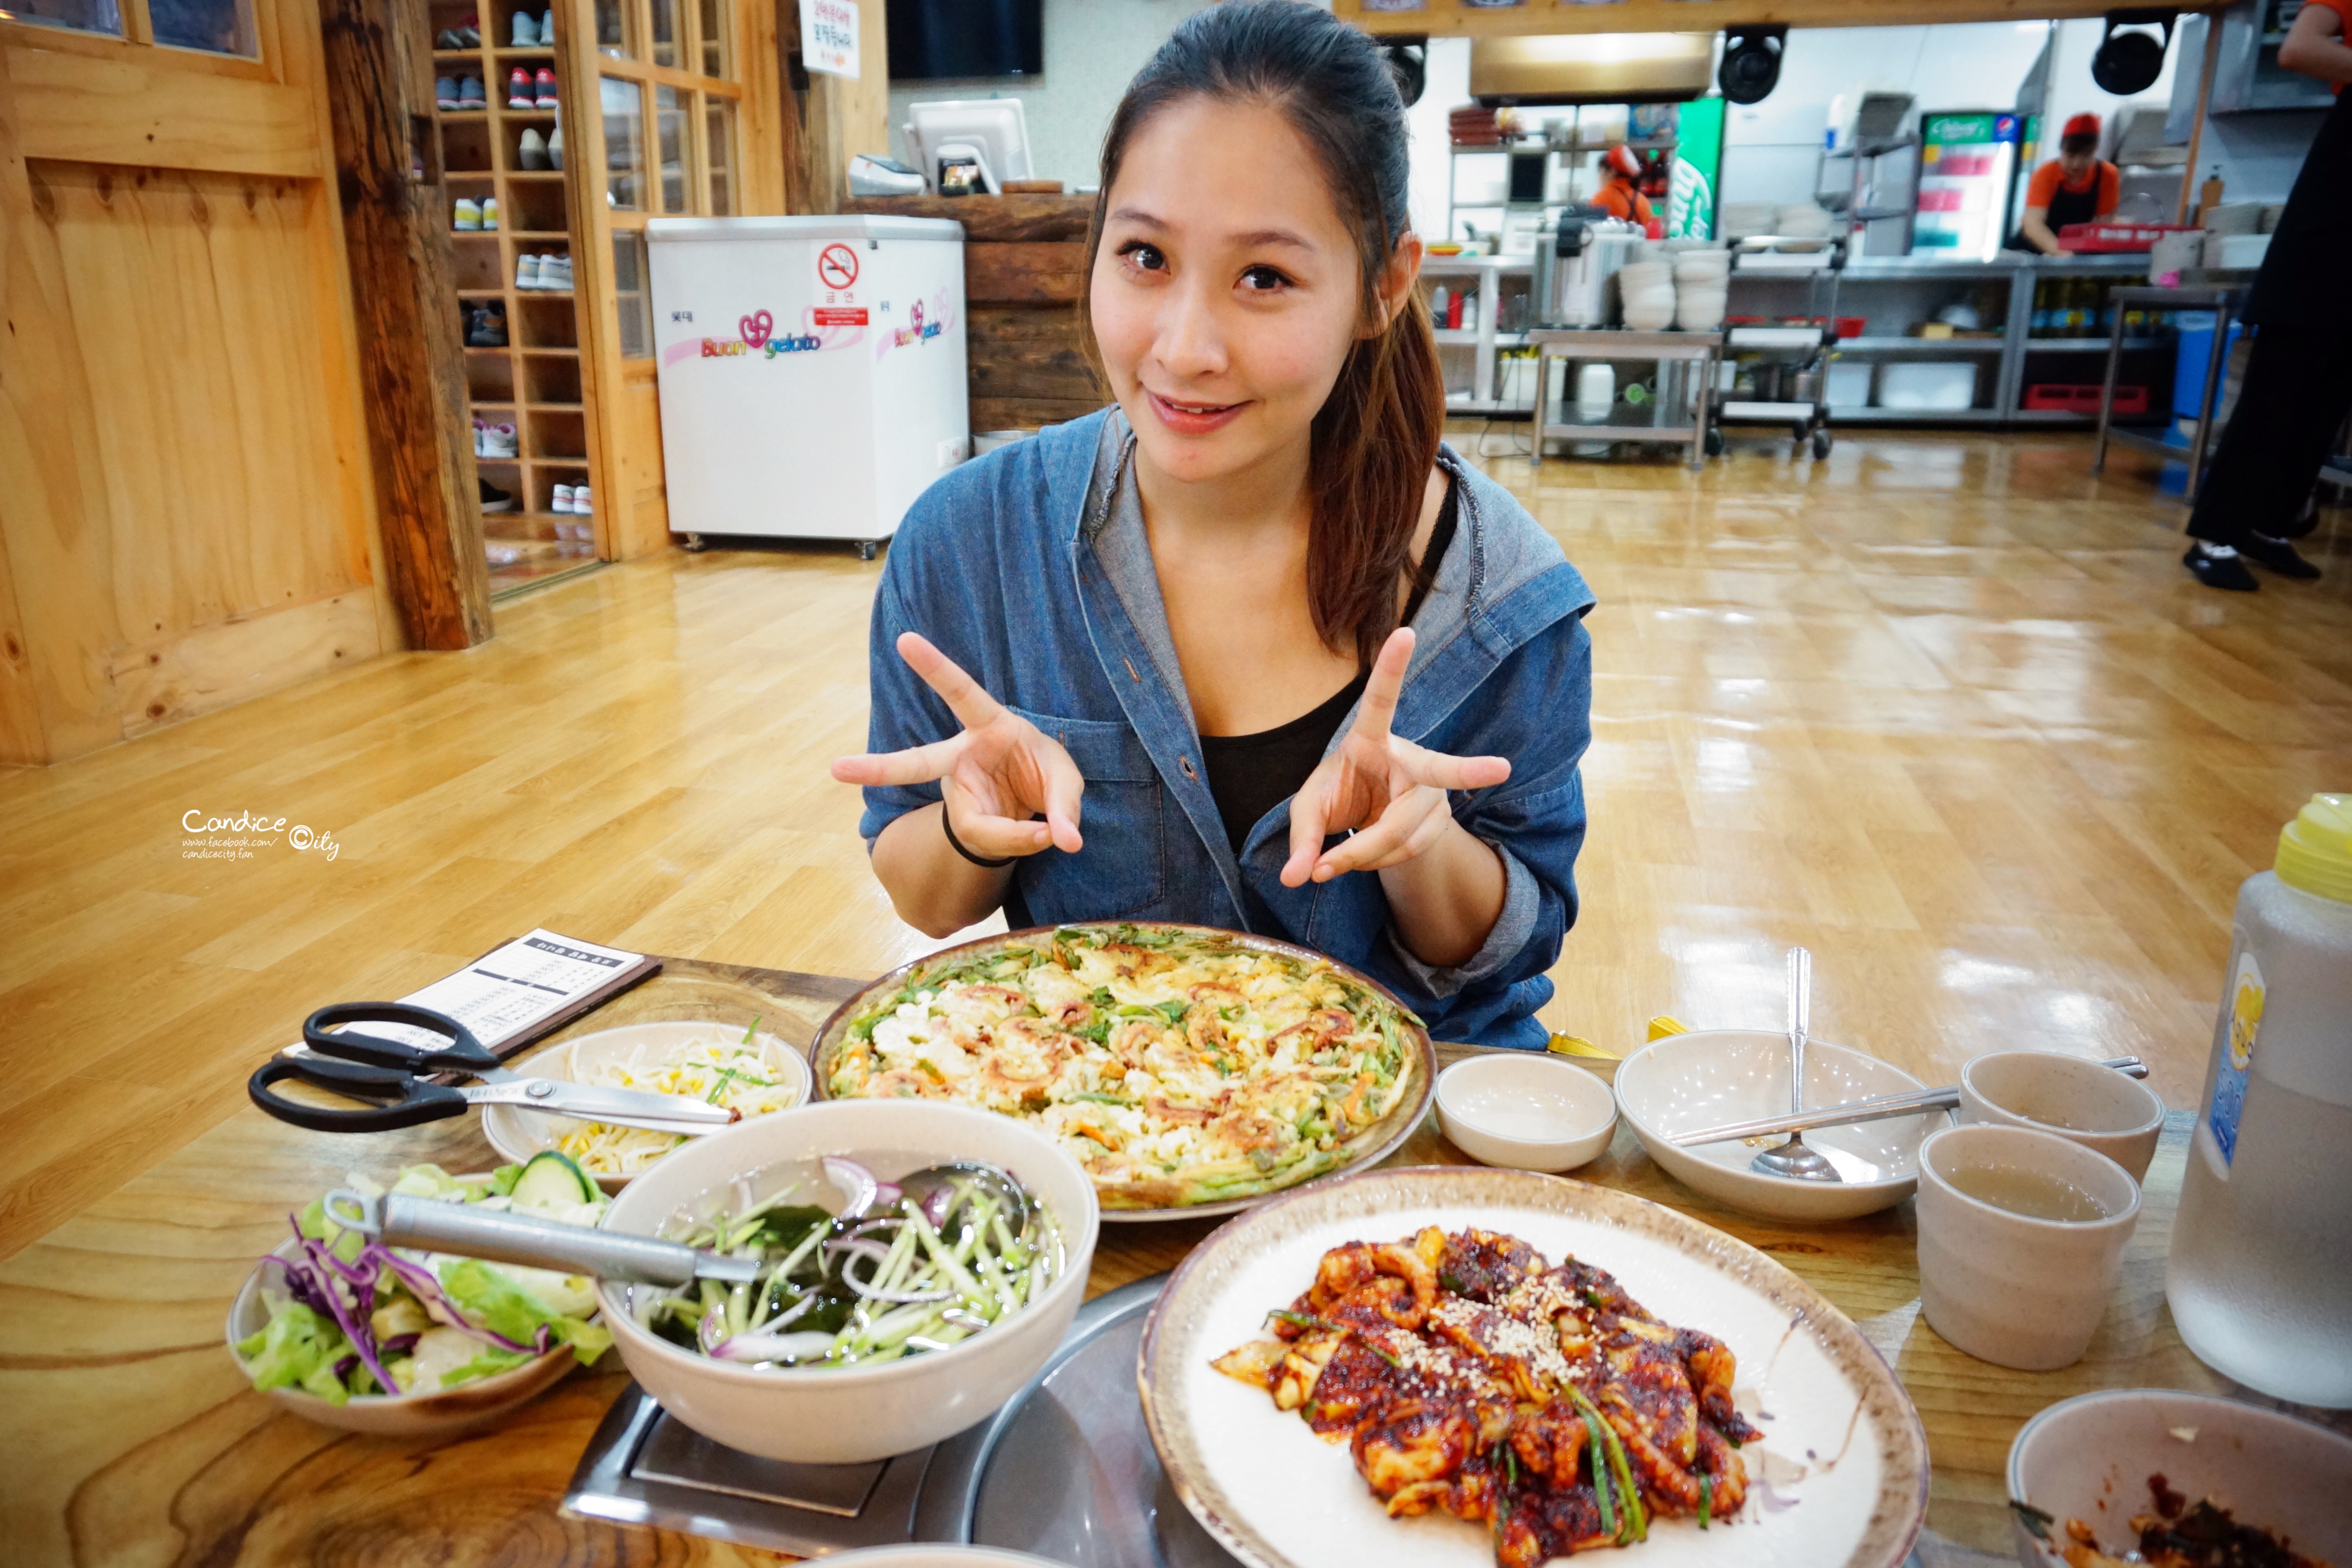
1924 345
2088 345
1914 415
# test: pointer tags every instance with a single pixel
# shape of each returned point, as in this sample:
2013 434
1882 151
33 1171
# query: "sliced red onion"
937 1204
860 1188
806 1346
879 1255
713 1331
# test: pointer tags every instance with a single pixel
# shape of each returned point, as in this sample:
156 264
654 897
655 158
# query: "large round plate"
1839 1478
1369 1147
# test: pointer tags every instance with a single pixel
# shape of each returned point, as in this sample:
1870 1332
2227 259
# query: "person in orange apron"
2297 390
1621 193
2075 187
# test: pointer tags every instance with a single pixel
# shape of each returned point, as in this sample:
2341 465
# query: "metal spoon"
1792 1159
920 1185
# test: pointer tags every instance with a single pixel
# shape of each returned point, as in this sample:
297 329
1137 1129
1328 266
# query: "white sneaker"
561 505
555 272
547 29
531 151
526 272
500 439
555 145
469 213
580 505
481 439
489 213
526 31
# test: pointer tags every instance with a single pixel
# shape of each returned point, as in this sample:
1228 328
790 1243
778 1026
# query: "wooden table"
133 1439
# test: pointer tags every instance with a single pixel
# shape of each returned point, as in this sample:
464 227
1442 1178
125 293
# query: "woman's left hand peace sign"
1390 791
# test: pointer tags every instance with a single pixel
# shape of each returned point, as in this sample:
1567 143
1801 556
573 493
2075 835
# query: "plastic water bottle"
2259 1279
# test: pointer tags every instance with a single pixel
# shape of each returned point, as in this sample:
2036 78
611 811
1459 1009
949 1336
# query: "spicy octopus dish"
1467 1375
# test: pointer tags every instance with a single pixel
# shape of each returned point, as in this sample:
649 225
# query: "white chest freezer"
812 372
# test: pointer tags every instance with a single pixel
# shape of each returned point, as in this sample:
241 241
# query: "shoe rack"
533 382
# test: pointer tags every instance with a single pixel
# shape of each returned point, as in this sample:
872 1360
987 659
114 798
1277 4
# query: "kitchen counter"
137 1440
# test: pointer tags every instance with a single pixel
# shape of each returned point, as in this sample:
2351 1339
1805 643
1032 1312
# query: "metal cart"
1796 353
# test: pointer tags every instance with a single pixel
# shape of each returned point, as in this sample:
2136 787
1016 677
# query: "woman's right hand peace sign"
993 777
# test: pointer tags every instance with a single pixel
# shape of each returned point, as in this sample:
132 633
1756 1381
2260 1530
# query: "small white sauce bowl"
1525 1112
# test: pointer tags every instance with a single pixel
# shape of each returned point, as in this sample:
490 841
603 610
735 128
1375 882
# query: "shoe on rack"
555 272
481 439
471 94
546 85
445 93
531 152
562 504
555 145
500 439
2278 556
495 499
489 212
527 271
2218 566
469 31
488 327
468 215
447 38
547 29
519 93
581 507
526 31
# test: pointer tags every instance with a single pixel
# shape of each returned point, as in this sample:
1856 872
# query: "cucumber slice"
551 1180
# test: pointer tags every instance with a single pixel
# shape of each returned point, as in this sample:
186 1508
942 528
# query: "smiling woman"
1252 649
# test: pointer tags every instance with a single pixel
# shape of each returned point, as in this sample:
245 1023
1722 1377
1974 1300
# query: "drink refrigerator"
1966 165
811 368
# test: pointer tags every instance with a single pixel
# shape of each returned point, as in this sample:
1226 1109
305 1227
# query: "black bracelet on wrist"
956 844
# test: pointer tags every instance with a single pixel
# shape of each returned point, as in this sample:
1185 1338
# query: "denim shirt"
1030 567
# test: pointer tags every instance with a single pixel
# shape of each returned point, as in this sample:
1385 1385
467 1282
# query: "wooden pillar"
404 304
842 117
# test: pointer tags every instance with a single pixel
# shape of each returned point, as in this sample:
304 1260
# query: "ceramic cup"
2095 1106
2002 1286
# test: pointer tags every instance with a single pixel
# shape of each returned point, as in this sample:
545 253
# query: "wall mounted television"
935 40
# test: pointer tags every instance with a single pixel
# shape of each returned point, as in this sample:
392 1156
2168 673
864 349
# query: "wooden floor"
1943 708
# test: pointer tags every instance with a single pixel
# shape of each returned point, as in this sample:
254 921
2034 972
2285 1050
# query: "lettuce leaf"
488 1296
489 1363
298 1350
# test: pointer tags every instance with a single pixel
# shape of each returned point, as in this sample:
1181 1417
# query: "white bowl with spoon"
1525 1112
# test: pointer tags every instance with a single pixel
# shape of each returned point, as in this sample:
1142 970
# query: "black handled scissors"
390 1078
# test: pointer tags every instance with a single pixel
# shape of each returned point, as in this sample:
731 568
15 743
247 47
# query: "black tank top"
1249 775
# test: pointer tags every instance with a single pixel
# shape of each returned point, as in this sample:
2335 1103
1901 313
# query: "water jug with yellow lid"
2259 1279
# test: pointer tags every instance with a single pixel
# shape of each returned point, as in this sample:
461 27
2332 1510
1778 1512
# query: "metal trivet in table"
1065 1470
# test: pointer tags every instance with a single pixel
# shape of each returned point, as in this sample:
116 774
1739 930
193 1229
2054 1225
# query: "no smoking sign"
836 266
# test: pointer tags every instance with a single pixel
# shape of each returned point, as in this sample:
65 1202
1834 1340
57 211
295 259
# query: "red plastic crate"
2058 398
2095 238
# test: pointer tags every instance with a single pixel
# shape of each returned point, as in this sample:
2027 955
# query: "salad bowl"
550 1185
517 1134
446 1413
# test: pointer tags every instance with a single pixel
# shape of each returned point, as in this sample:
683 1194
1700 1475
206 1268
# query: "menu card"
519 993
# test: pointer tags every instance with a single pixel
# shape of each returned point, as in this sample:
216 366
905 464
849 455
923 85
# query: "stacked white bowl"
1803 220
1746 220
1702 283
1647 289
